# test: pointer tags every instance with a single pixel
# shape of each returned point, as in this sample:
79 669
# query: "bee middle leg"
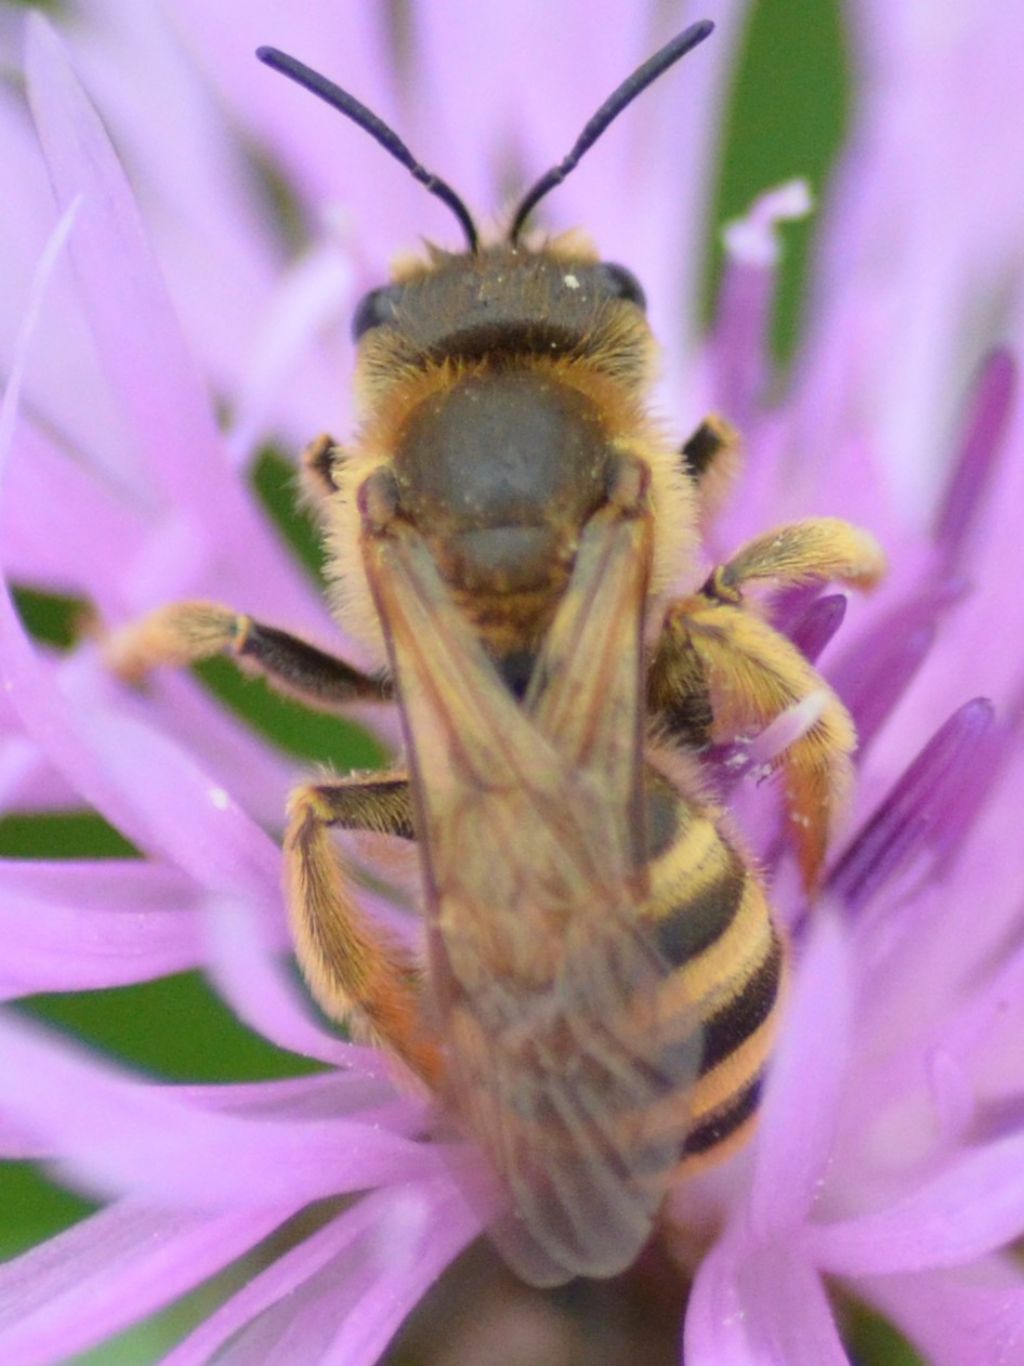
357 973
719 671
186 633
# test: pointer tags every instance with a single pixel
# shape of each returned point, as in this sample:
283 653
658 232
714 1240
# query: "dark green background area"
787 115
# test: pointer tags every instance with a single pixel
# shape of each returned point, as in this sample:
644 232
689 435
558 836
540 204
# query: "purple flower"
889 1161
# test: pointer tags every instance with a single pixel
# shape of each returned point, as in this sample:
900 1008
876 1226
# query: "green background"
788 111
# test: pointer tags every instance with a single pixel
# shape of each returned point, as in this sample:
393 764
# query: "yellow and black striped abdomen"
713 925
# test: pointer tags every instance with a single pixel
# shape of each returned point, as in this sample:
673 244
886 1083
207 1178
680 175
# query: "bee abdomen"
742 1015
714 929
708 1137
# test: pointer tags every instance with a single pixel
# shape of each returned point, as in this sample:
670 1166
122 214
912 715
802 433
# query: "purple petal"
284 1279
881 663
922 154
110 759
106 757
990 1009
318 289
960 1318
416 1241
805 1083
526 109
263 993
210 225
665 241
813 630
768 1308
111 885
790 1313
922 808
364 1270
89 533
257 775
114 1134
45 267
884 678
18 1144
68 396
716 1332
329 168
113 1269
981 447
28 781
738 347
55 940
952 1093
144 355
157 383
370 1101
975 1206
977 1025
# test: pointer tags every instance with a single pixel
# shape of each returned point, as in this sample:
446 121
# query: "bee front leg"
711 458
187 632
356 972
719 671
319 461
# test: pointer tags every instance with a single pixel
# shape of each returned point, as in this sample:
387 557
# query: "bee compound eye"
375 310
622 284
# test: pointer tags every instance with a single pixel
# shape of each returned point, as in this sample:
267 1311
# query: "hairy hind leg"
358 974
719 671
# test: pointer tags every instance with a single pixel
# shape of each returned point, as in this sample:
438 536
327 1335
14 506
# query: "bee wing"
586 692
564 1057
574 1092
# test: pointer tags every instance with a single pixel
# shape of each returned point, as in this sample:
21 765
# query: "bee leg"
318 462
188 632
816 550
356 972
720 672
711 457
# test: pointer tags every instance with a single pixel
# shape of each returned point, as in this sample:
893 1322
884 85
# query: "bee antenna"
613 106
378 130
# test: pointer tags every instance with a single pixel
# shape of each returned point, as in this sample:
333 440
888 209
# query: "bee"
602 971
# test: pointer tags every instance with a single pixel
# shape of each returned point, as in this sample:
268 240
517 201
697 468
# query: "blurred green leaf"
34 1208
874 1342
50 617
62 834
275 480
787 117
176 1028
